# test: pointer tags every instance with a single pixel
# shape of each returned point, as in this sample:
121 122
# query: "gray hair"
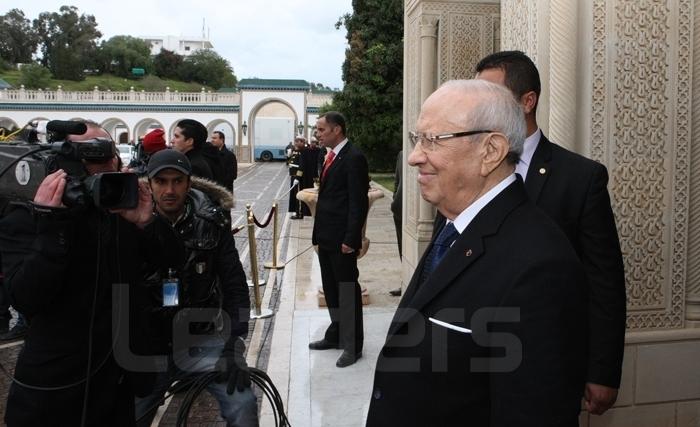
495 110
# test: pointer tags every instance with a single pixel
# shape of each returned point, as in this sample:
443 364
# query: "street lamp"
244 127
300 128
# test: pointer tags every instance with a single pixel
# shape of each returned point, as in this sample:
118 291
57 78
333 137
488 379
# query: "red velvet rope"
267 221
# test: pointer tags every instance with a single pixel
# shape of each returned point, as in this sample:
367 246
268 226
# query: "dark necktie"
442 243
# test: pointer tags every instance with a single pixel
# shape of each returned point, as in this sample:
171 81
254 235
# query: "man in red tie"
341 212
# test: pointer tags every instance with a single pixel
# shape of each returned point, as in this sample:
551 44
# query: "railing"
318 99
117 97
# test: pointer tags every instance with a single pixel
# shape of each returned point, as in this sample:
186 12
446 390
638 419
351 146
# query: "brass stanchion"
275 237
258 313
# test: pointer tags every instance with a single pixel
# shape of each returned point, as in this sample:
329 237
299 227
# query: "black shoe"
16 333
347 359
297 216
395 292
322 345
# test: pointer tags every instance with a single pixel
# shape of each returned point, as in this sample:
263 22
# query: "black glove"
232 366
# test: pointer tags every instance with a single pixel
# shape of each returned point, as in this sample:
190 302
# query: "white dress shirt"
467 215
529 148
339 147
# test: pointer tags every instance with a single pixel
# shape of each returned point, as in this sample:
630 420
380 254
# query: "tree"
372 97
208 68
68 42
35 76
18 40
120 54
166 64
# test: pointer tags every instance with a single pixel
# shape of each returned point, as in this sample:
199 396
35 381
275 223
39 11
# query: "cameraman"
211 307
60 264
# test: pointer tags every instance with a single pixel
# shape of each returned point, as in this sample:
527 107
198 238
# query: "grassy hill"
107 81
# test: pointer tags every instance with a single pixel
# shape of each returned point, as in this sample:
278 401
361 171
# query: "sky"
269 39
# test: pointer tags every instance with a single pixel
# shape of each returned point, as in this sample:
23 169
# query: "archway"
272 126
146 125
118 129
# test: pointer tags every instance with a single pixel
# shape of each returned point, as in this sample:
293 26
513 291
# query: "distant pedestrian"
296 175
228 160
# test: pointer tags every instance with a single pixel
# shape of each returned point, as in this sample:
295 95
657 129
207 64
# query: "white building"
184 46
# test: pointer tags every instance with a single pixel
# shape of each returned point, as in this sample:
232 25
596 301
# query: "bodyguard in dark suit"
572 190
341 212
489 330
229 163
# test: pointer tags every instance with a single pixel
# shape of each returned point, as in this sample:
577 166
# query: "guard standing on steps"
296 174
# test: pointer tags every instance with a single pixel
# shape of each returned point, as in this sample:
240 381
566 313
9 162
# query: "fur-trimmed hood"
218 194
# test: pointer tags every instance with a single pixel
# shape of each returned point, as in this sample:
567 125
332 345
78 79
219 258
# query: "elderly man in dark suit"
572 190
489 330
341 212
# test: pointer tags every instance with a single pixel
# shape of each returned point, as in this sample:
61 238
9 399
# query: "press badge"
171 290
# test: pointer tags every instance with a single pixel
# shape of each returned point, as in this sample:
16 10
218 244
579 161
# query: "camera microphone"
63 127
66 127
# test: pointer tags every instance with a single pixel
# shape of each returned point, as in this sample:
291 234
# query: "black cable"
15 161
173 390
257 376
86 394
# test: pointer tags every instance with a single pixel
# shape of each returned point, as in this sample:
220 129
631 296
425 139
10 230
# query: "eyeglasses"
429 141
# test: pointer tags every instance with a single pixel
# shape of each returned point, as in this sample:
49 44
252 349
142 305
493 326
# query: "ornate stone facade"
693 272
519 18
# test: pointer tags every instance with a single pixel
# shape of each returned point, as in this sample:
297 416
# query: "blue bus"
272 135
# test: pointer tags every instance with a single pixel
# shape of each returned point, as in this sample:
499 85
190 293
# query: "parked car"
126 152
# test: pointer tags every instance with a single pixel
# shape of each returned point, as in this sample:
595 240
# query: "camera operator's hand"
233 367
50 191
141 215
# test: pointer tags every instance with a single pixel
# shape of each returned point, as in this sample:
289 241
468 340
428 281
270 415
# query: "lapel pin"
543 171
468 252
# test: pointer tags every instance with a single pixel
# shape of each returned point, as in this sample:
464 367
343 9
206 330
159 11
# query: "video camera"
34 160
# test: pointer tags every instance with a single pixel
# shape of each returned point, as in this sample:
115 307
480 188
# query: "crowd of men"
515 313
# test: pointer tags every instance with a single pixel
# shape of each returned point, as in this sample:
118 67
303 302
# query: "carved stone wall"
519 21
467 33
635 119
647 115
693 272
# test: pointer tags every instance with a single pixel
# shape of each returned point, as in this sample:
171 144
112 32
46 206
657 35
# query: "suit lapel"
539 170
466 250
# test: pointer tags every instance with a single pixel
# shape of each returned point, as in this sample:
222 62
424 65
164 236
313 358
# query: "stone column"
428 43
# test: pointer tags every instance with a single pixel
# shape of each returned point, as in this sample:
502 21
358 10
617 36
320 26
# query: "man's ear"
529 102
496 149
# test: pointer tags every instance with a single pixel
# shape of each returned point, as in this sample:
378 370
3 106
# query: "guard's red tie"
327 164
